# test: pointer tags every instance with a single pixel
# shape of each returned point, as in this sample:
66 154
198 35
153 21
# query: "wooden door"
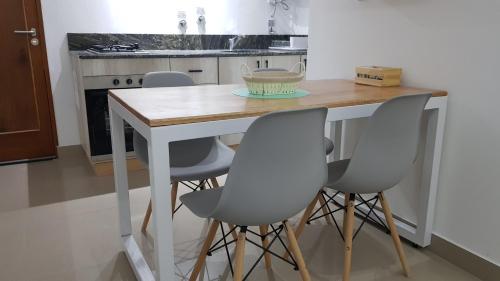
27 128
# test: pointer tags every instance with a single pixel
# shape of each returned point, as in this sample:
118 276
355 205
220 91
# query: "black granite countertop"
187 53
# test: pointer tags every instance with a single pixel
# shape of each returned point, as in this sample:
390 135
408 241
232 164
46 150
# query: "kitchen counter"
187 53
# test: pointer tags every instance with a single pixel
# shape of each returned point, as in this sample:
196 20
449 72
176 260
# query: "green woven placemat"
244 93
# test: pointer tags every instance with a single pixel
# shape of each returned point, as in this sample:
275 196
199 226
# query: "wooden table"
163 115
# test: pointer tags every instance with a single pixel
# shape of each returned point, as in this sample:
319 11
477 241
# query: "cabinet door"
285 62
230 68
303 59
202 70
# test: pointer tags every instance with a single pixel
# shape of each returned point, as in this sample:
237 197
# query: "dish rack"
273 81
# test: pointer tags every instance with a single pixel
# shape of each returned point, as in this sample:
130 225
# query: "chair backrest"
182 153
277 170
387 148
166 79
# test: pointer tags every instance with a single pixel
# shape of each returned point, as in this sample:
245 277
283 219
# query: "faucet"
232 42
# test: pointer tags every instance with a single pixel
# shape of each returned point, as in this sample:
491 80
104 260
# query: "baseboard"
106 168
474 264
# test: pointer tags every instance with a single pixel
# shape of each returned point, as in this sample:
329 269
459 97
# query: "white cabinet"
286 62
303 59
230 68
99 67
202 70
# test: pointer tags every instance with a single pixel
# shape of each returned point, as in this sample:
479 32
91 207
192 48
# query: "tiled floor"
66 178
79 239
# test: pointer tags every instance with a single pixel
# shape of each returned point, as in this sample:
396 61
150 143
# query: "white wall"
443 44
146 16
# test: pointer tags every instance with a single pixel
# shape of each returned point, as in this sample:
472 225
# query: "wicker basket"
275 82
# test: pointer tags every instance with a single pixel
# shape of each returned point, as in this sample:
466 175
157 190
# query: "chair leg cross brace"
365 216
266 249
236 269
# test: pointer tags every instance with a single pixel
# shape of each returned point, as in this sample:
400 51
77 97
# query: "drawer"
202 70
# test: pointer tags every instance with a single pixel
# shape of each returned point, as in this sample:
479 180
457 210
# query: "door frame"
45 67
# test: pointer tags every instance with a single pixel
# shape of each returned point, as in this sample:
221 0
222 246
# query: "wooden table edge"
234 115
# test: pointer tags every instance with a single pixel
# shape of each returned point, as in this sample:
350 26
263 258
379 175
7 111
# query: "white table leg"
159 174
120 172
430 173
336 136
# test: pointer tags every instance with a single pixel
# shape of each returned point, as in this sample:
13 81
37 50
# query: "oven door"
98 124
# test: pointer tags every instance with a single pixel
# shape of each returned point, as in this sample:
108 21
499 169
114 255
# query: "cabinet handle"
267 63
258 64
305 63
195 70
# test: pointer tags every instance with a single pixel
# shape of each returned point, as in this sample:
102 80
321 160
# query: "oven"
96 99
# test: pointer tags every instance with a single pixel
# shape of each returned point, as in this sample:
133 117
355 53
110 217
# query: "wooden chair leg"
233 233
147 216
394 233
265 244
294 247
303 220
346 202
214 182
324 209
173 196
348 229
203 254
239 256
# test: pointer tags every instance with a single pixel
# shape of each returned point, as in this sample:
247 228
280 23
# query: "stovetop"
115 48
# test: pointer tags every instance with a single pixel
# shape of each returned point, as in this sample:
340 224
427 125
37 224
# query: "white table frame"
159 137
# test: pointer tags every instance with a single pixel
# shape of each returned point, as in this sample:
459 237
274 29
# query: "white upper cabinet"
202 70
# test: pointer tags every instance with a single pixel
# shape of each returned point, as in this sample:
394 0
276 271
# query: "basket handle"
245 70
301 69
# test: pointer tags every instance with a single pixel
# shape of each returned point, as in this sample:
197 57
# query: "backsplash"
82 41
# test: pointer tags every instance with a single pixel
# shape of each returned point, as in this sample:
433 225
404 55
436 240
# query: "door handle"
32 31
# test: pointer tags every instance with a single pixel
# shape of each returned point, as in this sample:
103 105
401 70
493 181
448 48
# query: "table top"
182 105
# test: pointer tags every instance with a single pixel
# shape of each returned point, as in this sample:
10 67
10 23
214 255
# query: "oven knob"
140 81
129 81
116 82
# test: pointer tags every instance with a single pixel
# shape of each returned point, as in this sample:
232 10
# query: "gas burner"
114 48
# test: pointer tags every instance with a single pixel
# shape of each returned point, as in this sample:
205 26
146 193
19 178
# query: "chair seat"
202 203
216 164
335 171
328 145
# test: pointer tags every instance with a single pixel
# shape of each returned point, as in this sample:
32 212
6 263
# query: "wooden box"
378 76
